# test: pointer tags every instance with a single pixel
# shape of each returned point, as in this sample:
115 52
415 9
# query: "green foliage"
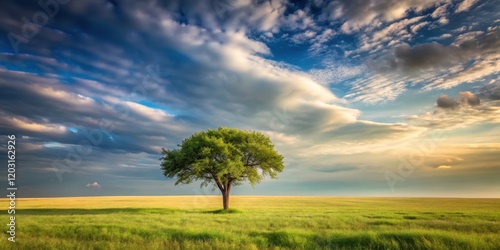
223 157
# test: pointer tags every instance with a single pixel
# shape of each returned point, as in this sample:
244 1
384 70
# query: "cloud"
479 70
435 55
359 14
466 98
440 11
347 140
396 27
415 28
443 21
319 42
466 37
447 103
425 56
152 114
218 80
444 36
444 167
375 88
161 70
392 34
93 185
299 20
209 65
473 56
465 5
461 112
486 113
333 72
490 91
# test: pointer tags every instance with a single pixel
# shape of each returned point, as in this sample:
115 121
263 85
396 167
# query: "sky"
362 98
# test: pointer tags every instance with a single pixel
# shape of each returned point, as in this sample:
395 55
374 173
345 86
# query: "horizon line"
310 196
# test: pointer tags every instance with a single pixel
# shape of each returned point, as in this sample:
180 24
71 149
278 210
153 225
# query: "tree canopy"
224 157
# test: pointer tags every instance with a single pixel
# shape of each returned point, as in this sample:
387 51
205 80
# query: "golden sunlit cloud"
37 127
444 167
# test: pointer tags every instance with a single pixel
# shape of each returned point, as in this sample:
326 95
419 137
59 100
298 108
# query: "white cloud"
440 11
334 72
443 21
466 36
151 114
299 20
303 37
360 14
93 185
414 29
394 28
392 33
465 5
319 41
376 88
444 36
266 15
483 67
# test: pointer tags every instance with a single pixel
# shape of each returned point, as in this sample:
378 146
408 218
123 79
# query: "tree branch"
252 164
247 155
217 182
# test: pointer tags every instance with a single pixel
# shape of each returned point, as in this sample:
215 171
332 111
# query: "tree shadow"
91 211
222 211
84 211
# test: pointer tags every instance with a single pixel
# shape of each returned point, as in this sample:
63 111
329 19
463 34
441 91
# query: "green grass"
196 222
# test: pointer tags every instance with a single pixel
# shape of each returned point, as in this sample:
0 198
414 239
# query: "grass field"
194 222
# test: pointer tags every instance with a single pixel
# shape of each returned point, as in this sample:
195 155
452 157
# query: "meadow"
264 222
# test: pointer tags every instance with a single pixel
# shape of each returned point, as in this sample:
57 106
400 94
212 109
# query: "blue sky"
362 98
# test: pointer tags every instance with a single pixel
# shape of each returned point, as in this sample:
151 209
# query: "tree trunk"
225 199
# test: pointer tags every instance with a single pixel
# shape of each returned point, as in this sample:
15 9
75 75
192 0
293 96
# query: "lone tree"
224 157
